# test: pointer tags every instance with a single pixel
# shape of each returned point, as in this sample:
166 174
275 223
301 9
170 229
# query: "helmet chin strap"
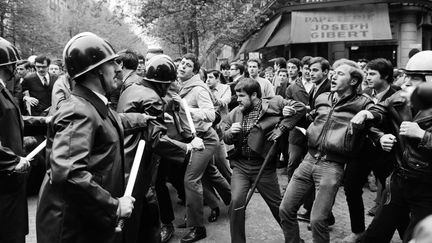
102 81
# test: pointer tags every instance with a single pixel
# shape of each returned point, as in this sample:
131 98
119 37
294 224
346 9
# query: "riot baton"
190 121
35 151
132 177
268 157
189 117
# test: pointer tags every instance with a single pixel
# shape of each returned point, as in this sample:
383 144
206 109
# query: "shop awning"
368 22
282 34
259 40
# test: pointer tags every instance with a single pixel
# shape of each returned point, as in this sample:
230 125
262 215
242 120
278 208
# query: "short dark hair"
412 52
284 70
281 62
295 61
306 60
178 59
256 61
42 58
224 65
238 66
325 65
194 59
384 68
129 59
217 75
249 86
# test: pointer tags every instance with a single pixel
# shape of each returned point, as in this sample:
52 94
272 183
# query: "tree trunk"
2 25
190 42
183 44
195 42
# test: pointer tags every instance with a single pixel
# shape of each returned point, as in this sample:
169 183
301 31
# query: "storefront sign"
367 22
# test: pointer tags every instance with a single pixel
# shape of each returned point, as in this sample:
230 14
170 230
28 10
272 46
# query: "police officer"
146 97
13 166
82 200
411 142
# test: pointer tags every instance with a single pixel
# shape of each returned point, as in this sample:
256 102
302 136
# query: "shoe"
353 238
167 232
305 217
195 234
331 220
373 210
214 214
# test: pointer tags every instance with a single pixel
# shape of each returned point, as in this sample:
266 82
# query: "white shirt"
41 78
102 97
308 85
316 88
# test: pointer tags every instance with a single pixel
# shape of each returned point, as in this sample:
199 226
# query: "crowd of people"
214 135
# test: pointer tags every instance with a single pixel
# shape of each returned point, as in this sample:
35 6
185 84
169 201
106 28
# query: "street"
260 225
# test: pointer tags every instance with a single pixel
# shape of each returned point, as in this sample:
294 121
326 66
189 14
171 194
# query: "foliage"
192 25
40 27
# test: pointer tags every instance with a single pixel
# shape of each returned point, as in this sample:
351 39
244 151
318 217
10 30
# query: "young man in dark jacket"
379 78
332 142
247 127
411 142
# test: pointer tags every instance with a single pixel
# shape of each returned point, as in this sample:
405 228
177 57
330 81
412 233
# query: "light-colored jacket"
199 100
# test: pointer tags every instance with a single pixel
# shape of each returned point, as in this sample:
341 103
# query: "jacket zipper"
325 128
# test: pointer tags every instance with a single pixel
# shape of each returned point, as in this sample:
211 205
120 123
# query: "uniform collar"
92 97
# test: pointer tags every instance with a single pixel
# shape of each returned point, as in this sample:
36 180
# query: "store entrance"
371 52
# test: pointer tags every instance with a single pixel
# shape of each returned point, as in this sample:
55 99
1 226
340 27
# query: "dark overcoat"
78 202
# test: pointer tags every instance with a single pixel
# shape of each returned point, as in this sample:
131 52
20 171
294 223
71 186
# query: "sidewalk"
260 224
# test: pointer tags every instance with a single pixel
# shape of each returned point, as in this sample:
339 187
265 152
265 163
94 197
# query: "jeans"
296 154
408 197
241 182
221 162
327 177
211 180
192 180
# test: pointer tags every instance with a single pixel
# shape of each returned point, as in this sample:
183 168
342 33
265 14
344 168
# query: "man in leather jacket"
82 199
331 142
146 97
411 143
252 127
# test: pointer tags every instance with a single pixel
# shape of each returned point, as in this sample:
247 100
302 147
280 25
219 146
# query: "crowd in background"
325 124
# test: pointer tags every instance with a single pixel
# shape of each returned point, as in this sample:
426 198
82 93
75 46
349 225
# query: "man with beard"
248 127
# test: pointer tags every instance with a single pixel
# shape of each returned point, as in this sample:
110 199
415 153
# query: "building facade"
334 29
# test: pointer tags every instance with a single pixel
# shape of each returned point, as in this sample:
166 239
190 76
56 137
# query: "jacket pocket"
340 140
